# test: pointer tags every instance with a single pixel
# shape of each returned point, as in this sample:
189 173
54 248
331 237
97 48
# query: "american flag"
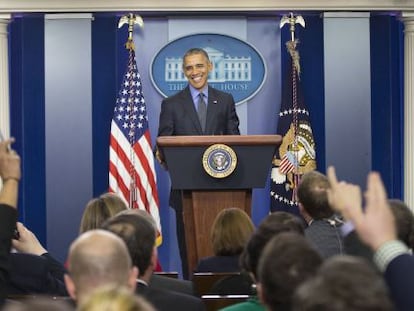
131 160
289 163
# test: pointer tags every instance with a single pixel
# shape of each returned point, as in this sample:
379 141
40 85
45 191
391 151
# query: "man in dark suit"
323 228
199 109
32 269
139 235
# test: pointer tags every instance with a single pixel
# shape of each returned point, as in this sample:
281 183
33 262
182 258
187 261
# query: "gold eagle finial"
292 20
131 20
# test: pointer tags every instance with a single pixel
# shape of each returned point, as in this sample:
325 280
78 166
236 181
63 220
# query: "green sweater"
252 304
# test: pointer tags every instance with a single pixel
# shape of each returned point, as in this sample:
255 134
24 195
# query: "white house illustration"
225 67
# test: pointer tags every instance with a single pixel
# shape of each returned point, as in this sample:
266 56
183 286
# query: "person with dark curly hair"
344 283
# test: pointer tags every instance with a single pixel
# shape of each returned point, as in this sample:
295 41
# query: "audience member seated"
98 258
160 281
32 269
286 262
375 225
139 234
271 226
344 283
404 221
323 228
100 209
10 176
230 232
113 298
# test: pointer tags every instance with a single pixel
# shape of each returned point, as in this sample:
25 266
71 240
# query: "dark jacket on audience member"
326 237
164 300
167 283
8 218
32 274
218 264
399 276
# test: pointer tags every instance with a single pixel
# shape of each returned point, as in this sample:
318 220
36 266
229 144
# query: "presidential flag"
131 169
296 154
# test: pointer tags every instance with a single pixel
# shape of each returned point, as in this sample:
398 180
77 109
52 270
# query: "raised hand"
9 173
344 198
378 224
9 161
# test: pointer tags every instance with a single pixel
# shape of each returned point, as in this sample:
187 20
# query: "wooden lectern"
205 196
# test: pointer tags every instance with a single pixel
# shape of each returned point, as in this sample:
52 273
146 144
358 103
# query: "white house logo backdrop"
238 68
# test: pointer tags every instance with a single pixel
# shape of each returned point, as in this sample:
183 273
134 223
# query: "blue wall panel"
27 109
104 92
387 101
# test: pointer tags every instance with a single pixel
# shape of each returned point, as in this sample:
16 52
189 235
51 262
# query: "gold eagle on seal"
296 155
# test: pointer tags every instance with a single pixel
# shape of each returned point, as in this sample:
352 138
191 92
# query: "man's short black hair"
138 234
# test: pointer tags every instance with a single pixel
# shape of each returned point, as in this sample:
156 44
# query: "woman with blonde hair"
99 209
229 234
113 298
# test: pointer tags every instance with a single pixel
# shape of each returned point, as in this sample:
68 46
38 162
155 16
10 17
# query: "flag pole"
131 20
292 20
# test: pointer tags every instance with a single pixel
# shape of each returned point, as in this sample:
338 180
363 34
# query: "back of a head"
230 232
138 233
404 220
343 283
271 226
278 222
113 298
140 212
99 209
286 262
98 257
313 196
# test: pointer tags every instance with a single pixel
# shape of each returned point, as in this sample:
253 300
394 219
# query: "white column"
4 76
408 18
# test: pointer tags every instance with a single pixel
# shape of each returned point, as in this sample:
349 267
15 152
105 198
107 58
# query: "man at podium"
199 109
